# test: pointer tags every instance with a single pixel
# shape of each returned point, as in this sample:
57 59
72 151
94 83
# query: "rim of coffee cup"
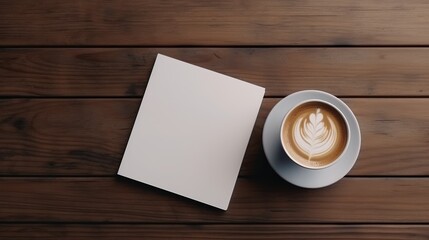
336 109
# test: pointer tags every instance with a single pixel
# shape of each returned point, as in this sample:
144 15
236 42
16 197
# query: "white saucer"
288 169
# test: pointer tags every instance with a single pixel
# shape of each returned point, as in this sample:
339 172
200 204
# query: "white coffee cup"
315 133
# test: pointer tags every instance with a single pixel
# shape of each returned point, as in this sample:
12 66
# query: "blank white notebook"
191 131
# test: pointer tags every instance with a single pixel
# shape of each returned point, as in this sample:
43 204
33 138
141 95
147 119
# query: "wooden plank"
262 200
154 22
66 136
125 71
265 231
88 136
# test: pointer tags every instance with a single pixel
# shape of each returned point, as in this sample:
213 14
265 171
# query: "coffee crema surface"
314 134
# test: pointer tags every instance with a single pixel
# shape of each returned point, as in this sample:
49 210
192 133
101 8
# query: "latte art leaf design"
312 136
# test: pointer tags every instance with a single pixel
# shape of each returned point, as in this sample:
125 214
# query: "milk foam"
314 134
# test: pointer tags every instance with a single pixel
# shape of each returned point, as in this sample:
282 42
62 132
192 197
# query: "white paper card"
191 131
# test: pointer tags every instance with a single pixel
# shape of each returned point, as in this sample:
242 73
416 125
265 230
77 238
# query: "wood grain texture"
59 156
154 22
70 134
235 231
269 200
125 71
88 137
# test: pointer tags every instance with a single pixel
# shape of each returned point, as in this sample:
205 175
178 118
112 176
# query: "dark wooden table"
72 74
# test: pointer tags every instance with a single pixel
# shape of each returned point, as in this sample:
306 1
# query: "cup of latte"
314 134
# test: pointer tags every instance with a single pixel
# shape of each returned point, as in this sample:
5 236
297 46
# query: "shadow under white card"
191 131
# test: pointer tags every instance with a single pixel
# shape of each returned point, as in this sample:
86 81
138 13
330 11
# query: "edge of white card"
153 172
